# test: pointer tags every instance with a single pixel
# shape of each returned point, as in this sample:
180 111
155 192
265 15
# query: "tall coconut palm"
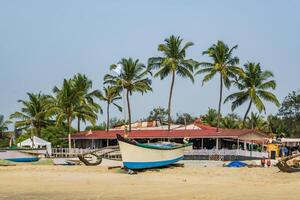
68 106
173 62
132 78
111 94
254 85
82 83
34 113
3 125
224 64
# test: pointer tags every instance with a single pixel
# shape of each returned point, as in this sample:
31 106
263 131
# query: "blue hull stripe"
144 165
30 159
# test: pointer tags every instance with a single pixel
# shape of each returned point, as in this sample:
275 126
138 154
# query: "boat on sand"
137 155
19 155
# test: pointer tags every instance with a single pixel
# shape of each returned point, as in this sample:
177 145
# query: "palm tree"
173 63
68 105
82 83
34 113
254 84
223 64
3 125
210 117
132 78
256 121
110 95
230 121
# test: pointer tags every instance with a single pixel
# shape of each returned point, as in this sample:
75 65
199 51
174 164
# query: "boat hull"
141 157
17 156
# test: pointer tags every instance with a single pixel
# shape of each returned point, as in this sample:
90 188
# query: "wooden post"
217 143
238 146
107 142
201 143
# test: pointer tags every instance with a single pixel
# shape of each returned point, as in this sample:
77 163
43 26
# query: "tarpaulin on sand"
236 164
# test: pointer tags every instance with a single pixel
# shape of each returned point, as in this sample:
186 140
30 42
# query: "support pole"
201 143
238 146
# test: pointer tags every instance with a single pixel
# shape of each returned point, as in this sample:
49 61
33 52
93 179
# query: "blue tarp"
236 164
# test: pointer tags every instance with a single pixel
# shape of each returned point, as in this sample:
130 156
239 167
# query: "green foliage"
210 117
101 126
22 137
184 118
253 84
289 113
35 112
4 141
111 95
56 135
231 121
159 114
3 125
117 122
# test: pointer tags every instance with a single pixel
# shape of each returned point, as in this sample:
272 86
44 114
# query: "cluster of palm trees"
75 99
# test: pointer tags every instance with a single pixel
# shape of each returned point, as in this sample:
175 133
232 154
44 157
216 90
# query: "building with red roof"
202 136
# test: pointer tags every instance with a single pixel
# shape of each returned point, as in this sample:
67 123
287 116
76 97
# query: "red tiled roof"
139 134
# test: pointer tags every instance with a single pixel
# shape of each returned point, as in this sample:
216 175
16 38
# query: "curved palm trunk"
170 100
78 125
220 102
107 119
129 111
246 114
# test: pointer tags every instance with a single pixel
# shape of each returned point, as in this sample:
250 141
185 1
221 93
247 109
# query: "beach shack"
208 144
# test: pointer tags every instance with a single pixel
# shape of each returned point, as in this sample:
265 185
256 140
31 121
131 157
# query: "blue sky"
43 42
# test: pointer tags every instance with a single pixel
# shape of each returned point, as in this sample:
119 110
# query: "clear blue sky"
43 42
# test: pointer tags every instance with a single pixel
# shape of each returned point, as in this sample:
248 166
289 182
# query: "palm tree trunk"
170 100
78 125
129 111
107 114
220 102
246 114
69 132
38 129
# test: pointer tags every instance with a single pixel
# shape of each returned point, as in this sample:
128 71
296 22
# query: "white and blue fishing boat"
18 155
137 155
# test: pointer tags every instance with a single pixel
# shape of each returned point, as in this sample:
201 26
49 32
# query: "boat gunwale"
122 139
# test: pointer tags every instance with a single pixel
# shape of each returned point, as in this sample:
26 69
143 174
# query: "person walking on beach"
269 163
263 162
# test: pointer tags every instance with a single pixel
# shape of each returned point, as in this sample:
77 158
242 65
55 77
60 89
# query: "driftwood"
284 167
99 154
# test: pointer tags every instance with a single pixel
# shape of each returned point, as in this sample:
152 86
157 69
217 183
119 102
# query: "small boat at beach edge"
18 155
137 155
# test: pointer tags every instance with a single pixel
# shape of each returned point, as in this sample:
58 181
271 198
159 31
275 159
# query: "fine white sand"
82 182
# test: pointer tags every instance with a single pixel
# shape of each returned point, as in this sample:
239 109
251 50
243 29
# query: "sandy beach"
81 182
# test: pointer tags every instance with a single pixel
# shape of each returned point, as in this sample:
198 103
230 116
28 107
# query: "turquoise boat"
18 155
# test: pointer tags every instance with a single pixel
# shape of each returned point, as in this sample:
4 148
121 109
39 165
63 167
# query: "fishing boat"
285 165
137 155
18 155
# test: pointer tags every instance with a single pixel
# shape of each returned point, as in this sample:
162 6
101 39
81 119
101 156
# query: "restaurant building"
226 144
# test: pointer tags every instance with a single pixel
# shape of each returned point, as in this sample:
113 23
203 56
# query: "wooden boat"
137 155
17 155
284 167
